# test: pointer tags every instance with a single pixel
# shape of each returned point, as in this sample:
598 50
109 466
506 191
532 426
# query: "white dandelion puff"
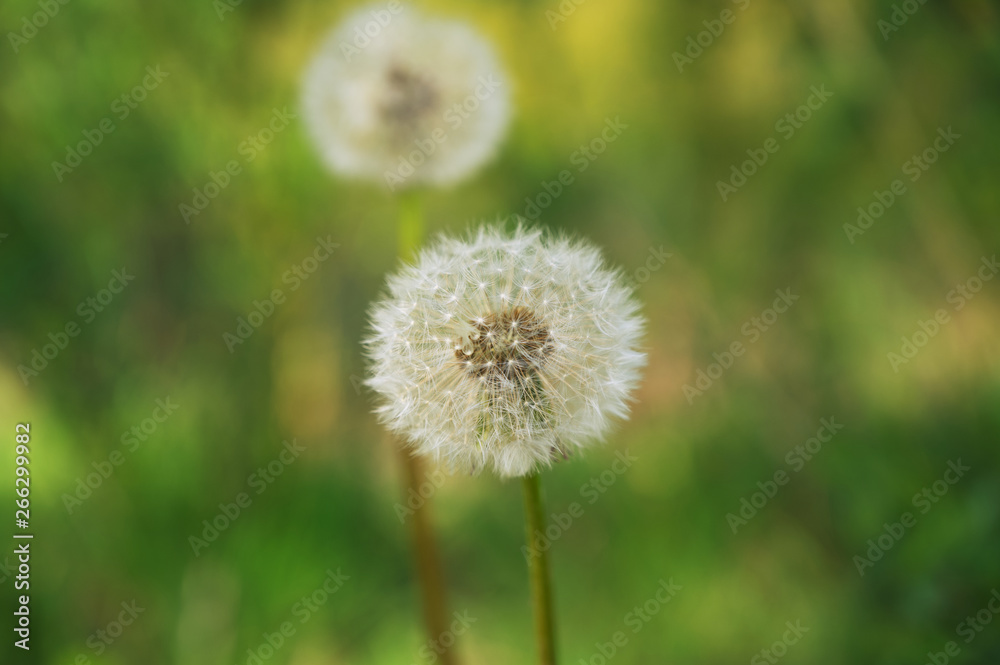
422 101
504 351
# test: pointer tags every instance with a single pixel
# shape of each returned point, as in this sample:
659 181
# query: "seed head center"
411 98
510 345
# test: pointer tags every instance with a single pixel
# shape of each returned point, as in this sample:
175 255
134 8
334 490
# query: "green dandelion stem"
410 231
538 570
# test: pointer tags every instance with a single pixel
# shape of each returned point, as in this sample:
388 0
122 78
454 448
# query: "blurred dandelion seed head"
504 351
421 101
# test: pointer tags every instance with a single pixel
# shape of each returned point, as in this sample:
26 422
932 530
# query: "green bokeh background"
297 376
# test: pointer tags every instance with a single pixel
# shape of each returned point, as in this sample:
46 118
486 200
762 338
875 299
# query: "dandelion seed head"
509 378
422 99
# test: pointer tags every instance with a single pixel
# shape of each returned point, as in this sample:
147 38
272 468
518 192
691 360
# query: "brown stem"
429 571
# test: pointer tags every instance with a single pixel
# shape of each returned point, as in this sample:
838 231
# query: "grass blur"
655 186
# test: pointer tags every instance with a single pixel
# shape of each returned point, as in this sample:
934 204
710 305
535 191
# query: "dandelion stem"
538 570
429 570
435 604
411 224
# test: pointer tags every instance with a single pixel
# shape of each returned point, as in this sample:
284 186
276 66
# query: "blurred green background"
297 377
